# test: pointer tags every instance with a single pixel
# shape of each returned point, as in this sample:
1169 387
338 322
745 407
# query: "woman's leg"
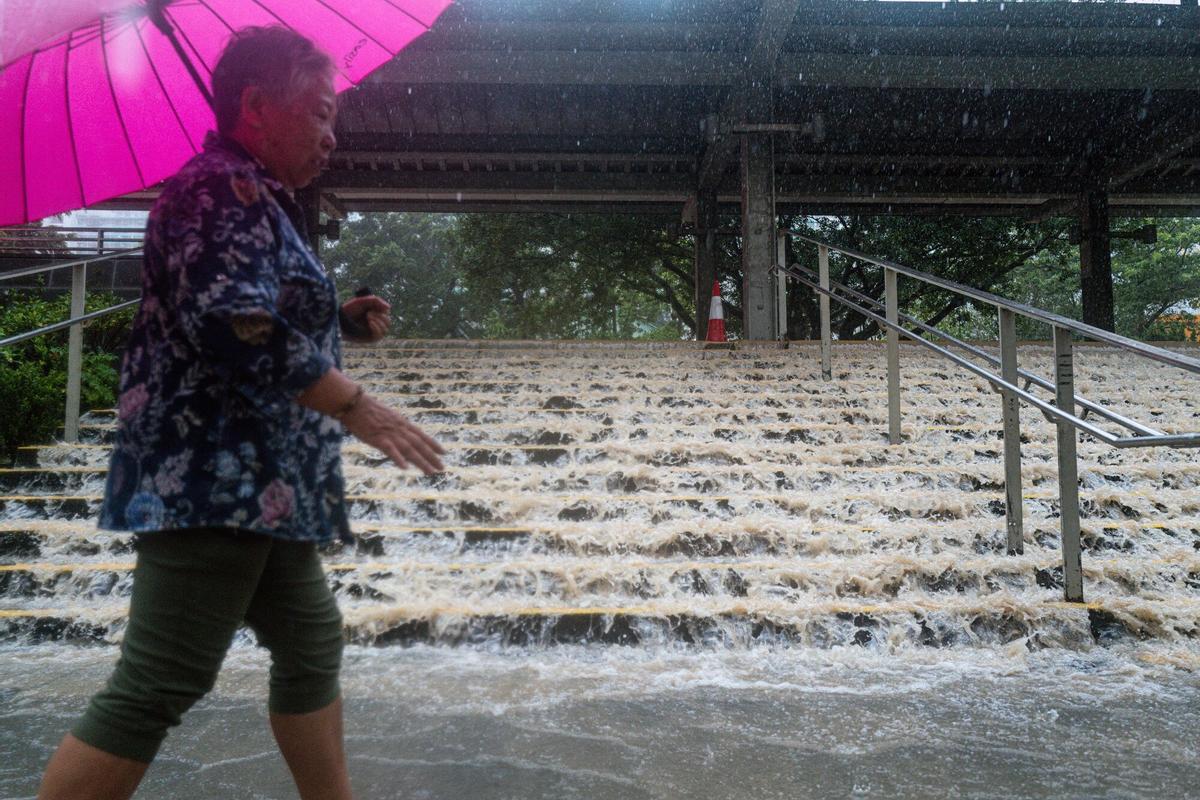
190 593
78 770
314 749
295 616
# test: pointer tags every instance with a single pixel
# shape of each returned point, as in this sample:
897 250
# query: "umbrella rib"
170 102
284 24
356 27
71 117
407 13
117 107
195 52
24 125
210 10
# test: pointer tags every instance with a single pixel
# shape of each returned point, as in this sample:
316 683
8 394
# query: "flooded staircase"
659 494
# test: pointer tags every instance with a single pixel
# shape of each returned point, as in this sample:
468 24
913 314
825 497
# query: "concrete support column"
309 200
705 258
758 238
1095 260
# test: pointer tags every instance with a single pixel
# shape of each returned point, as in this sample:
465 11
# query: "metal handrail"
82 262
74 323
809 279
1048 317
1154 439
58 326
1061 411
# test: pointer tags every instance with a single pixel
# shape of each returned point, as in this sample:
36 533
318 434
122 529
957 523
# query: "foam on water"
656 572
650 493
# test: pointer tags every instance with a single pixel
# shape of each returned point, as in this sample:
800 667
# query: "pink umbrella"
106 97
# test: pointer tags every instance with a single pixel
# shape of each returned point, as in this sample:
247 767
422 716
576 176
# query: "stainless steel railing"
1061 411
33 240
74 323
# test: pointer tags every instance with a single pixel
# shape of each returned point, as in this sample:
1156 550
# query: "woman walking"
227 458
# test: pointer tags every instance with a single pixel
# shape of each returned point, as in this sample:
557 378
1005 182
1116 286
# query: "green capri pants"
192 590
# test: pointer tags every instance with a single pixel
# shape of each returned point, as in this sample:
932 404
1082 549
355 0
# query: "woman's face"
297 137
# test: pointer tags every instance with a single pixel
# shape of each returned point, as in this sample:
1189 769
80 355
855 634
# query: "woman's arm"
373 423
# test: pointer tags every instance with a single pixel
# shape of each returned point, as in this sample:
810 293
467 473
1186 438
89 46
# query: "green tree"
34 239
33 373
576 276
1150 282
980 253
610 276
408 260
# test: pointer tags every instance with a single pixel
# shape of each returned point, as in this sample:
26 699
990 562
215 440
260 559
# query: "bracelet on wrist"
349 405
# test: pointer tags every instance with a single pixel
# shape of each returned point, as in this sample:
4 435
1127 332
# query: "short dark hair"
274 58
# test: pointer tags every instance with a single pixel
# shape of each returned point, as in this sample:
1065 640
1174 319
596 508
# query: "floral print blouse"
237 318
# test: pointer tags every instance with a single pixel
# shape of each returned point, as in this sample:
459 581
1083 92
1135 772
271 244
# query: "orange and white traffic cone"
716 321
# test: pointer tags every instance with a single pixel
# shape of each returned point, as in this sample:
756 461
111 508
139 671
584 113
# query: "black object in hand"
352 328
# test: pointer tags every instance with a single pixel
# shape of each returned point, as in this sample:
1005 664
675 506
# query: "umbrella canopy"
98 102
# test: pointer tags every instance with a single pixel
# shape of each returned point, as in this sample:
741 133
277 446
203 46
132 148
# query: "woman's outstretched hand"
390 432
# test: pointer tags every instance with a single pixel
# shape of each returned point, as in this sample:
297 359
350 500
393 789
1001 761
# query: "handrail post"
891 285
823 301
75 353
780 278
1014 508
1068 467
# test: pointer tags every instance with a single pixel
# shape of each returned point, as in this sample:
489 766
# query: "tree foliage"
623 276
408 260
1153 284
576 276
34 239
981 253
33 373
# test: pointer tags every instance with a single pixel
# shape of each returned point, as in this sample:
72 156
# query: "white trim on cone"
715 309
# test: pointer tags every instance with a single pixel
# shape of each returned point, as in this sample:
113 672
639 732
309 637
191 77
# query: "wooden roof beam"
730 69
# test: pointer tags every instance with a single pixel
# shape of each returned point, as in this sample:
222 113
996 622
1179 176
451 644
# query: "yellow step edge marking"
1089 606
760 565
99 566
1184 661
38 527
984 472
35 613
736 609
799 424
50 470
460 496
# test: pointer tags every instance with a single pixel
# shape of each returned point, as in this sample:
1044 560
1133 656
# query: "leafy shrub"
33 373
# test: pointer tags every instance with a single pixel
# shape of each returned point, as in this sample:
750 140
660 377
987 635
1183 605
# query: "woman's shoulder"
211 179
216 174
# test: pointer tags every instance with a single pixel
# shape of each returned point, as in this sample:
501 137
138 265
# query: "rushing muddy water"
656 572
597 722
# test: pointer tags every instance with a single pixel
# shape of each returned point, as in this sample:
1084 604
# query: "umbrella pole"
154 10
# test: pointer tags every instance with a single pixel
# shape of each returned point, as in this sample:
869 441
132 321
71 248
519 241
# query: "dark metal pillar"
705 258
1095 260
758 237
309 200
